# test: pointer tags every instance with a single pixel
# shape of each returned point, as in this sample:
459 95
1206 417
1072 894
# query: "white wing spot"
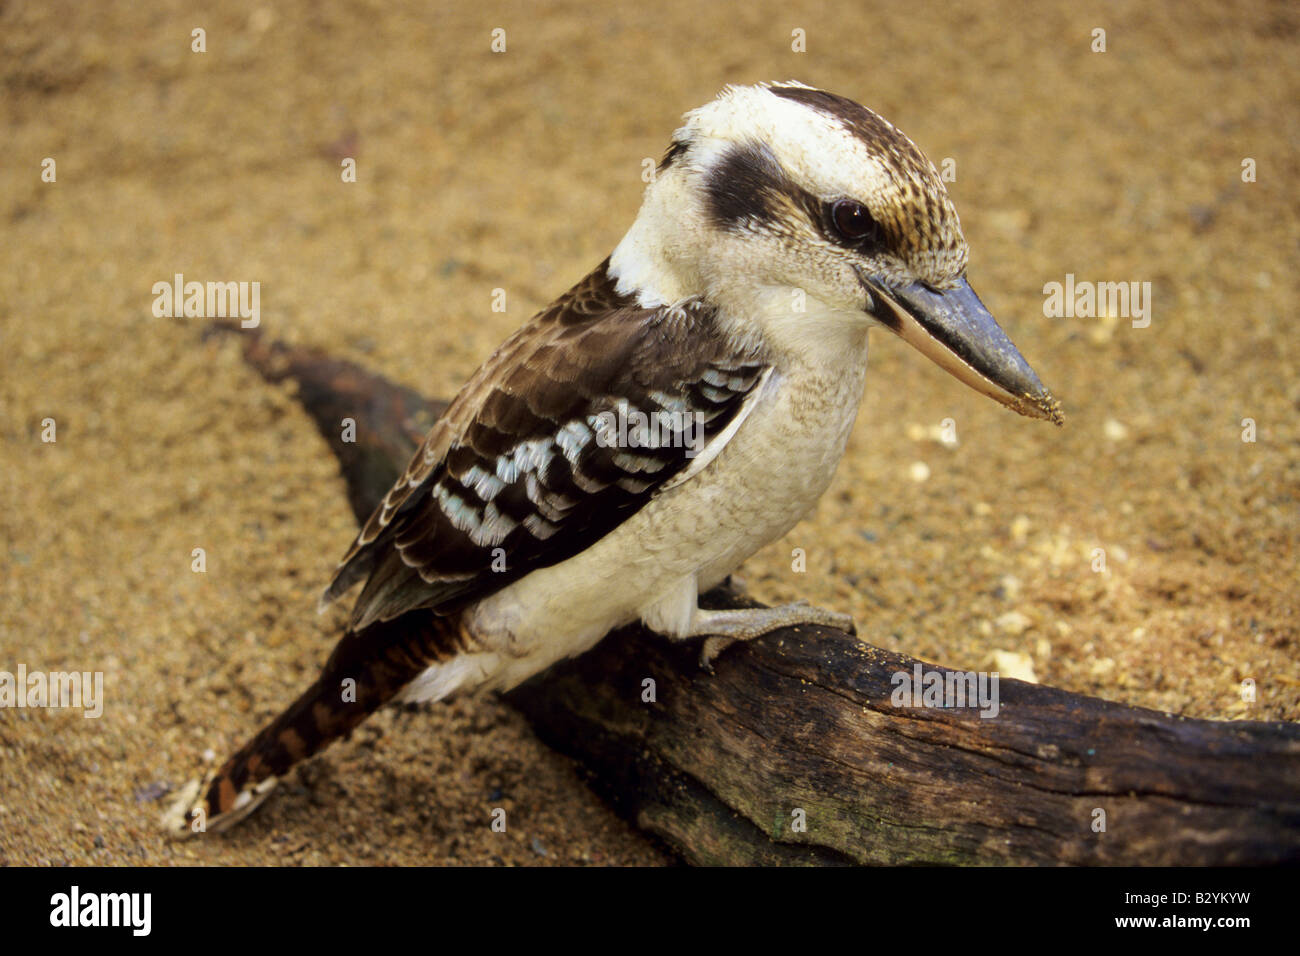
572 438
495 527
540 528
462 515
485 484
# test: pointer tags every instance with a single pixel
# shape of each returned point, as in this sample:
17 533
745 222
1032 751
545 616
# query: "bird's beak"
955 330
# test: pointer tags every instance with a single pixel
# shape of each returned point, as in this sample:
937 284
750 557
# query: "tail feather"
367 669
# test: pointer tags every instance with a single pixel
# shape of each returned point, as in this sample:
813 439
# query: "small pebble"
1013 623
1102 667
1015 666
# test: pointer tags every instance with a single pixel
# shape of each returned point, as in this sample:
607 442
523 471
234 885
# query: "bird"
681 406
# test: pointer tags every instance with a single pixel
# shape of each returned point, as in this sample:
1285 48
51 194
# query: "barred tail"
366 670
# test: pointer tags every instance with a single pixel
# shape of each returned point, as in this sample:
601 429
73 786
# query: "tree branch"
794 752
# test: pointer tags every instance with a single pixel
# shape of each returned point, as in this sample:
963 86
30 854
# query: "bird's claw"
711 648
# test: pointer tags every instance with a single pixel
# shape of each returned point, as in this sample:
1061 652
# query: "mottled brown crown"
913 207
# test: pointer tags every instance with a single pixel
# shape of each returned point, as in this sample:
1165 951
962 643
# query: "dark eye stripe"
748 188
743 186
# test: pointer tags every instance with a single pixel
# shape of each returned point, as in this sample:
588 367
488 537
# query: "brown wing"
527 467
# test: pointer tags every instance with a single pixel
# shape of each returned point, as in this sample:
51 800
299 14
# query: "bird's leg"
721 629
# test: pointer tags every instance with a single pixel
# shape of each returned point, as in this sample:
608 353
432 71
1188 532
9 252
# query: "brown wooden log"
801 724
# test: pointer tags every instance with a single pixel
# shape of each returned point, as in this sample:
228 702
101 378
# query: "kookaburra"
680 407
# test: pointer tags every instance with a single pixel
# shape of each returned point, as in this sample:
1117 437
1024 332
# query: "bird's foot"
724 628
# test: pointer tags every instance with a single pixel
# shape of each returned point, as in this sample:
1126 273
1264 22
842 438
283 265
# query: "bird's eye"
853 222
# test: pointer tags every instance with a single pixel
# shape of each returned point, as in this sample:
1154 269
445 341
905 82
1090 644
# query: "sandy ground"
521 170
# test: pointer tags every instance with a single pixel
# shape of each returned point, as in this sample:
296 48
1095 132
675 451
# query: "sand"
520 171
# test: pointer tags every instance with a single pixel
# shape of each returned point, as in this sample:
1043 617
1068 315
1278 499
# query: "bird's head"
807 213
